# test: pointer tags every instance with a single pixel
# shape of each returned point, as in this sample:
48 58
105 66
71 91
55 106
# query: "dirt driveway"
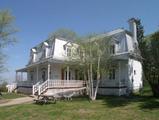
17 101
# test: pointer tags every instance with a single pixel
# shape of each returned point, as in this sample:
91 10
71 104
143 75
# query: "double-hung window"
112 74
68 51
112 49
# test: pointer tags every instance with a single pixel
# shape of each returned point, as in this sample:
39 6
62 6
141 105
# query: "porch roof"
127 55
49 60
123 56
22 70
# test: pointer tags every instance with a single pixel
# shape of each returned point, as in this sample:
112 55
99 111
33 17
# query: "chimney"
133 28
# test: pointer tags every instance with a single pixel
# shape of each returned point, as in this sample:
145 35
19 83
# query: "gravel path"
18 101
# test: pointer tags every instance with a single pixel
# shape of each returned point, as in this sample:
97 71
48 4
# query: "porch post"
16 77
37 73
119 77
48 71
21 76
67 72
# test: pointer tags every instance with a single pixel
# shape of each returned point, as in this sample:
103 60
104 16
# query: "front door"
43 75
62 74
65 75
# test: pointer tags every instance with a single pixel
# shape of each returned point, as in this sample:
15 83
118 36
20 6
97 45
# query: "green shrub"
3 87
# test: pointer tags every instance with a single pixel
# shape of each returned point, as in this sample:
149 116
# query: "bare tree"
7 31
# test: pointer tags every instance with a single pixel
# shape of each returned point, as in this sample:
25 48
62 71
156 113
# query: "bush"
3 87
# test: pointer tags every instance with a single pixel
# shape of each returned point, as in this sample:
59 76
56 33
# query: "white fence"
11 87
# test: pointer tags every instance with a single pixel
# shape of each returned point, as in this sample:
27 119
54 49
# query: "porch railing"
35 88
57 84
25 83
11 87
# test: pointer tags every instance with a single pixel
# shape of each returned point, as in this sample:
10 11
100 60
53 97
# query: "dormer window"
68 51
45 50
33 54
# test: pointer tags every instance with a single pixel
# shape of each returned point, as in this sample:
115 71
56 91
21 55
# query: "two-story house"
47 63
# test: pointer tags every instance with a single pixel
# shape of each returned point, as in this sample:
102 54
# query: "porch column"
21 76
16 75
37 73
68 72
48 69
119 77
119 72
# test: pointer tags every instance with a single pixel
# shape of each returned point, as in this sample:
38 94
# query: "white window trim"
66 51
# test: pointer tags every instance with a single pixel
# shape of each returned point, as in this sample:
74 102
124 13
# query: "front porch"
47 75
58 86
46 71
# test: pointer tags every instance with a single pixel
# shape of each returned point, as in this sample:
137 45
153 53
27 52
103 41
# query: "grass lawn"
6 95
138 107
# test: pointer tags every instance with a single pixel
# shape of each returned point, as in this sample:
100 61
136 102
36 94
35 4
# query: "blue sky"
36 19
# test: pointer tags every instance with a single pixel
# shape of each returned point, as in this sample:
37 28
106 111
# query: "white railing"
25 83
11 87
44 86
60 84
35 88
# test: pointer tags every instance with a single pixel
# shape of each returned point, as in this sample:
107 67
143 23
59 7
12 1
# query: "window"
44 53
31 76
135 46
33 55
112 74
69 77
112 49
134 72
43 76
68 51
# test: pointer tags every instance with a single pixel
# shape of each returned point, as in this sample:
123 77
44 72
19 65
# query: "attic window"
64 47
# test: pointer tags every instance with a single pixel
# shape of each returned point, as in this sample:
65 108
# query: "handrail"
43 87
35 88
60 84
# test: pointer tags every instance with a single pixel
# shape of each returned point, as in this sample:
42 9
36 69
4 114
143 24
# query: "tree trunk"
89 84
98 79
91 80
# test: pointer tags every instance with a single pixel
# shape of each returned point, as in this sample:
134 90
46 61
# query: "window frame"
112 74
112 49
68 51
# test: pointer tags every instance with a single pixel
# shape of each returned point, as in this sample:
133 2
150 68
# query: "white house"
46 66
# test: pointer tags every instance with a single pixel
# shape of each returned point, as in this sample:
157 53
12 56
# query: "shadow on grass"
143 102
150 104
74 99
42 103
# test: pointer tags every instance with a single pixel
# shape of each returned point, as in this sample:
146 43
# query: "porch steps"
50 91
52 87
